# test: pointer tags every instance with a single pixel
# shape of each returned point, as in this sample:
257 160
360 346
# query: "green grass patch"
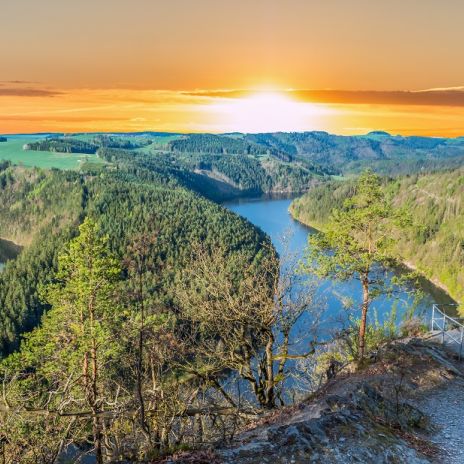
12 150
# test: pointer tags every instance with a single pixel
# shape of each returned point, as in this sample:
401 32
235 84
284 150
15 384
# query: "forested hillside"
62 145
435 243
210 143
42 210
32 199
382 152
227 165
220 177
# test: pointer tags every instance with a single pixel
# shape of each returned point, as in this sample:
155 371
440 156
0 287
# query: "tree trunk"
96 425
97 438
365 308
270 386
140 398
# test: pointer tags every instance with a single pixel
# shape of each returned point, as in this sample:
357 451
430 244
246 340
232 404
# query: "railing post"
460 345
444 330
433 318
454 324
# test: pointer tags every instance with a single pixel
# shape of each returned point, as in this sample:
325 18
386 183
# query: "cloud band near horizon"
453 96
31 107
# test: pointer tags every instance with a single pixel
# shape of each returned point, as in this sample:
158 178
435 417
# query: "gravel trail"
445 407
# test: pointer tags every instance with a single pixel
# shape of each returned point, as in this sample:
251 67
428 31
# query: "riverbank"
290 237
407 263
411 266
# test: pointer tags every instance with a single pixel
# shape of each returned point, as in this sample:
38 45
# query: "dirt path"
445 407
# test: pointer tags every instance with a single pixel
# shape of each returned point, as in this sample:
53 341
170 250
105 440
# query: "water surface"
272 216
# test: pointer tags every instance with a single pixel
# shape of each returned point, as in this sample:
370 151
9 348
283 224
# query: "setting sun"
265 111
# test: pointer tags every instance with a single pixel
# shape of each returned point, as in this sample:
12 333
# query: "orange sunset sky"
347 67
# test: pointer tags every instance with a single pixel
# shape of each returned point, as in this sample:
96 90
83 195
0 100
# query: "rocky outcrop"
374 415
360 427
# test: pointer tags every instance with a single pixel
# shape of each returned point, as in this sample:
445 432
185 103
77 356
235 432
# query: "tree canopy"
358 242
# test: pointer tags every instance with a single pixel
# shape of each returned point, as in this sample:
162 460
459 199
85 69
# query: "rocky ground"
445 407
405 407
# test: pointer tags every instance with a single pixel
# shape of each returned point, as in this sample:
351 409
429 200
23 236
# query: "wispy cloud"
446 96
27 92
18 82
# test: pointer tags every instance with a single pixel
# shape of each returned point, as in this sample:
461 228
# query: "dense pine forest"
62 145
337 154
138 317
43 209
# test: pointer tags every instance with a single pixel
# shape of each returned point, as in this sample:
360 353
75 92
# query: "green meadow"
12 150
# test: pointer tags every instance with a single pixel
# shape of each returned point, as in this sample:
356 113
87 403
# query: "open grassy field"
159 143
12 150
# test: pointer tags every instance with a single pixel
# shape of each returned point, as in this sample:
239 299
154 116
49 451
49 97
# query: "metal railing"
450 329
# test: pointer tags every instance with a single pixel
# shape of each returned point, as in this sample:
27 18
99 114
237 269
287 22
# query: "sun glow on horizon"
266 111
216 111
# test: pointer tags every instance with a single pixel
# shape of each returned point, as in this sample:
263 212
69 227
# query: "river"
272 216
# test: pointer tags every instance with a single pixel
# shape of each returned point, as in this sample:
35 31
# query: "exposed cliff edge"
384 413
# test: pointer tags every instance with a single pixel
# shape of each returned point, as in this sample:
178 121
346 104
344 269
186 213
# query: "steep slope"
435 244
42 210
220 176
32 199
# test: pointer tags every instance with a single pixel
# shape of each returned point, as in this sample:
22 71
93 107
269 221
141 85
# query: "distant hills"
344 154
317 150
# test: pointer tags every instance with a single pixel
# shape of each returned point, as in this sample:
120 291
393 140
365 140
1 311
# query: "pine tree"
84 299
357 242
70 353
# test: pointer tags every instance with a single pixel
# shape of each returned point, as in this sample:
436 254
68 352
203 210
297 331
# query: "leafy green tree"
65 365
84 297
358 242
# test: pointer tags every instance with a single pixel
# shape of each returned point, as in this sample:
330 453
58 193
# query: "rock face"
358 427
369 416
376 415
